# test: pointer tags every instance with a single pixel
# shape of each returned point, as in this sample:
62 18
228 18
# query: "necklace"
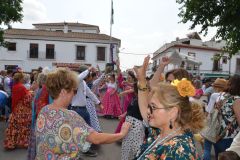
158 141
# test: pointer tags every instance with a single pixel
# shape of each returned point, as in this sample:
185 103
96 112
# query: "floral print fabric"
180 147
229 126
19 127
61 134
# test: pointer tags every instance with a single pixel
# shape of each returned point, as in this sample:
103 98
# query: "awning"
216 75
177 58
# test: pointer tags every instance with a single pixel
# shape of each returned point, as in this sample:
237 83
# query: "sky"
142 25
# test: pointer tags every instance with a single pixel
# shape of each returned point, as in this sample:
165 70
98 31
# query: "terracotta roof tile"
186 46
44 33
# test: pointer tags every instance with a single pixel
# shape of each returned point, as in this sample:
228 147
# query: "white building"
198 57
57 44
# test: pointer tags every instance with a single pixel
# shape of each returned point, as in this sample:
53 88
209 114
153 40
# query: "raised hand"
98 68
117 62
165 61
141 71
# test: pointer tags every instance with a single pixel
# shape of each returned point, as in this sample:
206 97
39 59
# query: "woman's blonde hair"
26 78
59 79
190 115
18 77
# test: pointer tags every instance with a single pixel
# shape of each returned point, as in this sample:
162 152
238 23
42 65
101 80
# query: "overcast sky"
142 25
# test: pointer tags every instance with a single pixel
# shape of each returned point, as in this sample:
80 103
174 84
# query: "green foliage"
10 11
222 14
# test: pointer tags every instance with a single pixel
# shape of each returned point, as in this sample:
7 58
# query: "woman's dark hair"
179 73
135 88
93 74
234 85
168 73
132 75
113 76
228 155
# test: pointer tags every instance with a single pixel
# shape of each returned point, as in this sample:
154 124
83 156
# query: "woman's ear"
174 113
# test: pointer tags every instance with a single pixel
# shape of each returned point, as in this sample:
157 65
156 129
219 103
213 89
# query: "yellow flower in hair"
175 82
184 87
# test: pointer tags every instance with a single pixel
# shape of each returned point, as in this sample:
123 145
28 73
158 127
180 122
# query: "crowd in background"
54 113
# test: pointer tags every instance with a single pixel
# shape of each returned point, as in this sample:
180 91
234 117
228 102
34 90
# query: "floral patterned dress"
180 147
229 126
18 131
61 134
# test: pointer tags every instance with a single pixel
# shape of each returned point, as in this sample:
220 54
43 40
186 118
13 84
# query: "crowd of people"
54 113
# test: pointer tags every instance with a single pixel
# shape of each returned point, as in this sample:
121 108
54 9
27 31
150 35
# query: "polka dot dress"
132 142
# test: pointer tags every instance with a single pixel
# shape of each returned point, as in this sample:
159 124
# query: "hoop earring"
170 124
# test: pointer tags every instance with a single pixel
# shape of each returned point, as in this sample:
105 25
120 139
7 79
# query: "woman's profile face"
159 116
129 79
170 78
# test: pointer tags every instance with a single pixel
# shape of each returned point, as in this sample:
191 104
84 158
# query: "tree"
10 11
222 14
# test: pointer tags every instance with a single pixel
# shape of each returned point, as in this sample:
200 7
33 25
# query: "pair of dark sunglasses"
153 108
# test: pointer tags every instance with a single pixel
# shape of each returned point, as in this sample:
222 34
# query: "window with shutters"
33 50
50 51
101 53
80 55
11 46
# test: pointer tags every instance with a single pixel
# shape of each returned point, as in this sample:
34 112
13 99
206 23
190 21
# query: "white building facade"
57 45
199 58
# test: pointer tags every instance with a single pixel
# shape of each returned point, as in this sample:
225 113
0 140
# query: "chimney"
65 30
177 38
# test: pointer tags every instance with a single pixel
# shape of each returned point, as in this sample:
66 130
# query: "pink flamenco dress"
111 101
126 99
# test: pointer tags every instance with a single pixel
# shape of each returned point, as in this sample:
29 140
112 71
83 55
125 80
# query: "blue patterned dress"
180 147
61 134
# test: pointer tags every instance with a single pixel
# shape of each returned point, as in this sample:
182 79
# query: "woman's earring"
170 124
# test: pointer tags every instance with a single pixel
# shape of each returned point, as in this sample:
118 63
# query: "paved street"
103 151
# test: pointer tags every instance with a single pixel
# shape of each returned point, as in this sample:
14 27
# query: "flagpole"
111 19
111 23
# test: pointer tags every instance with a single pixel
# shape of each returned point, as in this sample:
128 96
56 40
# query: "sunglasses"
153 108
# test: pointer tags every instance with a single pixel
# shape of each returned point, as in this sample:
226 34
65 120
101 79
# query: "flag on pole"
112 13
111 52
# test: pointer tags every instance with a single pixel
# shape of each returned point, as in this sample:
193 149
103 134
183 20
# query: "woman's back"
229 124
60 134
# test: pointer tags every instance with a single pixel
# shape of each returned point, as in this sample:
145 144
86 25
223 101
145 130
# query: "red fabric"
120 81
111 103
18 93
119 127
42 100
17 133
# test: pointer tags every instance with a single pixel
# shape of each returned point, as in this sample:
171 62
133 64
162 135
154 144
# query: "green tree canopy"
10 11
222 14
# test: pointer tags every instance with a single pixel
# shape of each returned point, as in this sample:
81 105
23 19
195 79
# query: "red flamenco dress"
18 131
111 101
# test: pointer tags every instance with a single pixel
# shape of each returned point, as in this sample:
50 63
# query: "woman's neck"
57 104
165 131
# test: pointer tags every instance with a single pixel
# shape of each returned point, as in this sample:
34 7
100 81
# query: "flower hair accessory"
184 87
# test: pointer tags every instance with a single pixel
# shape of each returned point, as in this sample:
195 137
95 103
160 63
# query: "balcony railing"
41 55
